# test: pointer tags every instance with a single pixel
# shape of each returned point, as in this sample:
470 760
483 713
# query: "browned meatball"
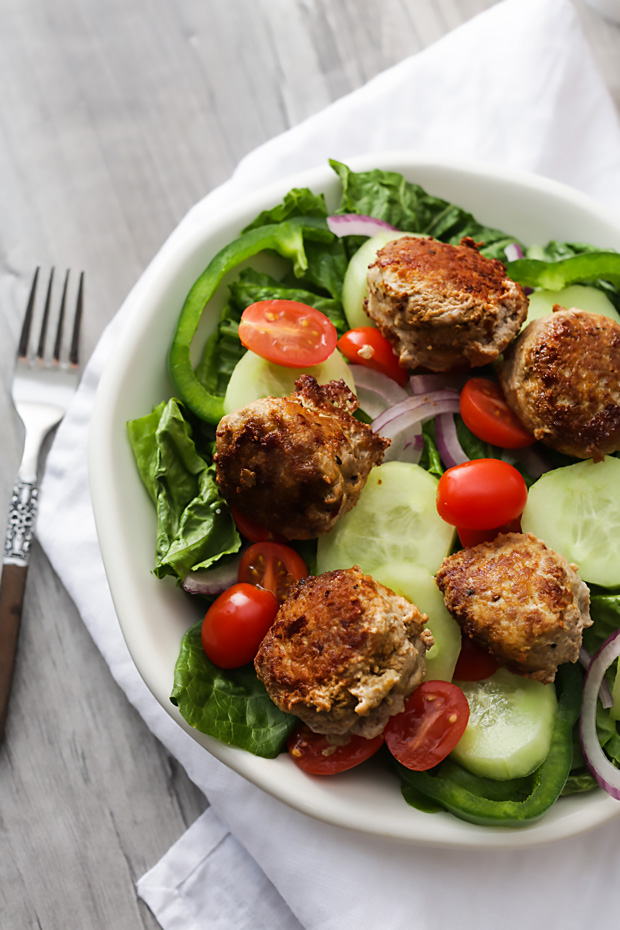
443 306
520 600
343 654
562 379
296 464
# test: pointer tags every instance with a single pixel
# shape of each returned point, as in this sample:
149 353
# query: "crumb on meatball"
343 654
443 306
296 464
561 378
520 600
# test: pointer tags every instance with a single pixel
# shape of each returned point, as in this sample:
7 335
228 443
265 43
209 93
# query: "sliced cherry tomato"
235 624
481 494
366 346
486 413
312 753
288 333
474 537
474 663
272 566
432 723
254 531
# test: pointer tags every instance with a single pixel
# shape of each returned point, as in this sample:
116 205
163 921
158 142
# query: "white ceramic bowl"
154 615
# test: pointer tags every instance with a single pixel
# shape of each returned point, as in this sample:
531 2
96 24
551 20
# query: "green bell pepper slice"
510 804
286 238
553 276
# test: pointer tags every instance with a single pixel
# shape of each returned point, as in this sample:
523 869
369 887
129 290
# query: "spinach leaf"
253 286
387 196
194 525
229 704
327 261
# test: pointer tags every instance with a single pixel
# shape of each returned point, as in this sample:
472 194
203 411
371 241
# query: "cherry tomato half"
474 663
312 753
366 346
272 566
288 333
432 723
235 624
255 532
474 537
481 494
485 412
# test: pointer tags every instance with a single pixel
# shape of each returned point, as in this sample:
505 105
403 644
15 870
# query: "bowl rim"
137 311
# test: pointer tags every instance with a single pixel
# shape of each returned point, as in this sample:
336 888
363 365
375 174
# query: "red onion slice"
605 773
354 224
415 410
215 580
368 380
426 384
513 252
448 445
605 693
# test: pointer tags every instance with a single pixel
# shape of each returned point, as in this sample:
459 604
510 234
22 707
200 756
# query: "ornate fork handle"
20 526
19 531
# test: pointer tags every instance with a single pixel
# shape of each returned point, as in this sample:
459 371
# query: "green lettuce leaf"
194 525
387 196
229 704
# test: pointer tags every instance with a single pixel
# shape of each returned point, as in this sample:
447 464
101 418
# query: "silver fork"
45 380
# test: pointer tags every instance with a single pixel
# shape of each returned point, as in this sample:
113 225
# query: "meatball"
443 306
561 378
343 654
520 600
296 464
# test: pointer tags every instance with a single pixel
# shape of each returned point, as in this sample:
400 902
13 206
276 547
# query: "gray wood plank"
114 119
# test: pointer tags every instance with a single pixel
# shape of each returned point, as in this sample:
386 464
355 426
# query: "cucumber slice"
510 726
577 295
354 284
253 377
395 518
576 511
418 586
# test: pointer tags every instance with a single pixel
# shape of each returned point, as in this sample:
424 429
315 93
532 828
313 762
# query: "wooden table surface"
115 118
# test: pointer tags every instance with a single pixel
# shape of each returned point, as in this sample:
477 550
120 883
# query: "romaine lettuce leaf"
229 704
194 525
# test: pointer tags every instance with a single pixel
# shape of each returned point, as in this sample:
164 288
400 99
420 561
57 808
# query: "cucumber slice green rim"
575 510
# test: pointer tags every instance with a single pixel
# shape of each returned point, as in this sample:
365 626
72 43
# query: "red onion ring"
605 773
426 384
374 382
513 252
450 450
605 693
354 224
215 580
415 410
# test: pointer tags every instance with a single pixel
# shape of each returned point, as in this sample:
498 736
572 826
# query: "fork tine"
75 339
24 339
46 314
61 319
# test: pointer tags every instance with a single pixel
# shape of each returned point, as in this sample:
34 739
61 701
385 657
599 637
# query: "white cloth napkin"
517 85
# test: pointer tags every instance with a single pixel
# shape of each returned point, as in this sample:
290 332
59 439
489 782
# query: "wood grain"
116 117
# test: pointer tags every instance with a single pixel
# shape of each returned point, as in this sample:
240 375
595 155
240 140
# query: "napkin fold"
516 85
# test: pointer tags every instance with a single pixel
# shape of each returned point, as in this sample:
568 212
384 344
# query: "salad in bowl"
383 531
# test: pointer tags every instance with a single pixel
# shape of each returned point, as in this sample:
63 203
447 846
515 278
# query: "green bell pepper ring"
553 276
460 795
286 238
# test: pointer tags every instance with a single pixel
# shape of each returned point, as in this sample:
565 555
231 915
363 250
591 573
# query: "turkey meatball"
443 306
343 654
296 464
562 379
520 600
